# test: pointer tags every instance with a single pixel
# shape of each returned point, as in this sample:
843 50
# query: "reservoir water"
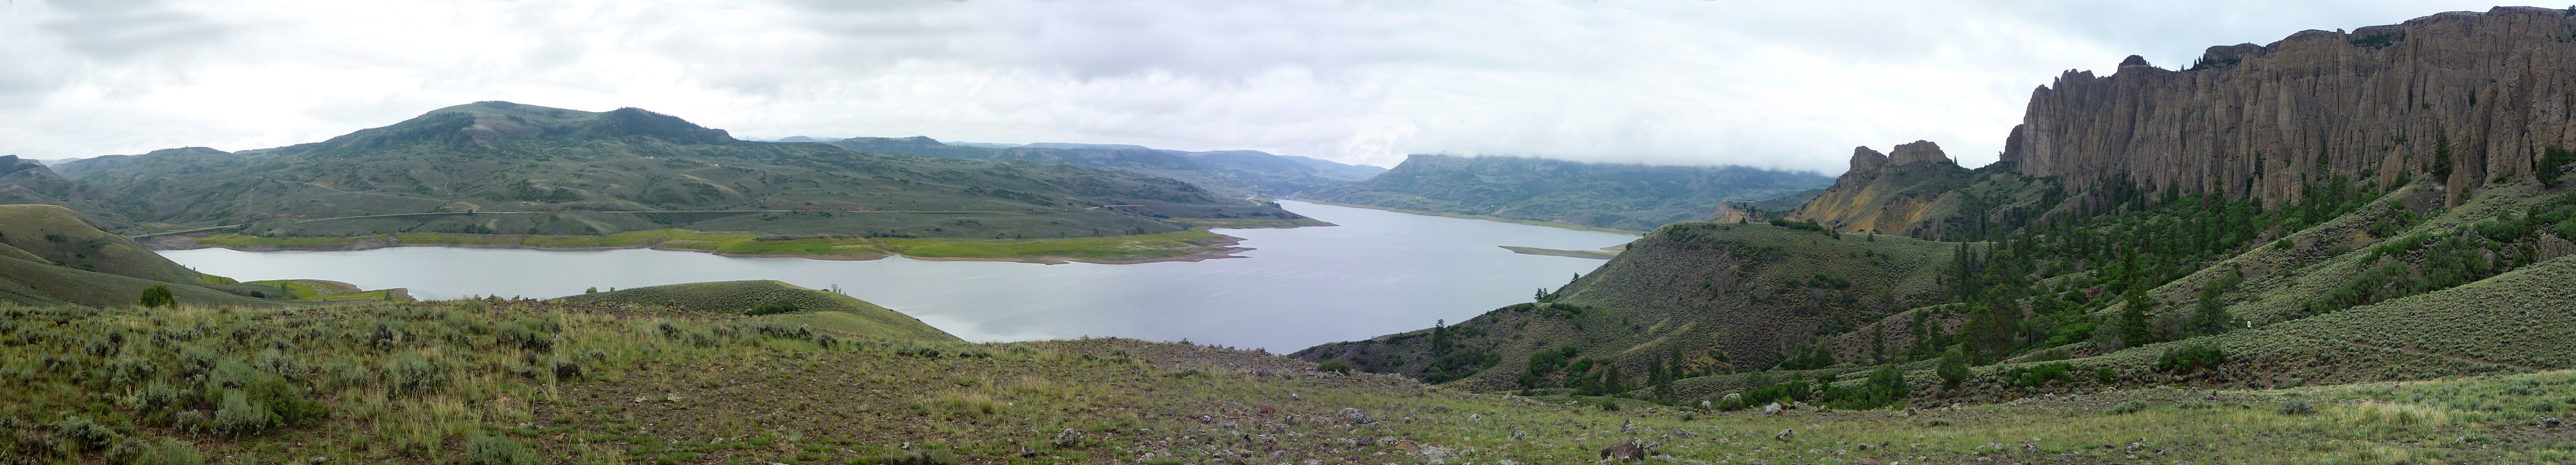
1378 273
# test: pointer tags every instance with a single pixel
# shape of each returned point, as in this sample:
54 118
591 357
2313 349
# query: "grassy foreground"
1193 242
522 382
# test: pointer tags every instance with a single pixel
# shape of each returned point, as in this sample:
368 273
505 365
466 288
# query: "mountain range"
1229 172
1608 195
505 168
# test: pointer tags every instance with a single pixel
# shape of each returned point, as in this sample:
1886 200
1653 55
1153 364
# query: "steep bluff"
2261 120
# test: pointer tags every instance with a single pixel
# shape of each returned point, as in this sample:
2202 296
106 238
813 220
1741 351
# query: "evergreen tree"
2134 330
1953 369
2210 315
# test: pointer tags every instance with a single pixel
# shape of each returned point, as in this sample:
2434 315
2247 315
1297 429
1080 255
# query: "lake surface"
1379 272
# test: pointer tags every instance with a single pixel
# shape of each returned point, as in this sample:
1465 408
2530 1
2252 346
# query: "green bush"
166 452
82 434
2298 407
1336 366
495 450
1953 369
412 374
2193 357
774 307
238 416
157 296
2125 408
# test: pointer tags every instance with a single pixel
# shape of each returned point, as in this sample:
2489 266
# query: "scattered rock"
1786 434
1628 451
1519 435
2551 422
1406 445
1435 454
1771 409
1357 417
1666 458
1067 439
1627 426
1475 418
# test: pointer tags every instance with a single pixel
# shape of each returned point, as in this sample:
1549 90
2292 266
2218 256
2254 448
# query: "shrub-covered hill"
501 156
1621 196
1695 298
50 255
1230 172
25 181
2353 284
526 382
839 313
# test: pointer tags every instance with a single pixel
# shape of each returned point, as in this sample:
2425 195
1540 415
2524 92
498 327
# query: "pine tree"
1953 369
2133 319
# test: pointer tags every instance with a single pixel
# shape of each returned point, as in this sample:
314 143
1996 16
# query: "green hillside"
1229 172
526 382
1701 298
1629 197
28 182
61 236
505 157
823 310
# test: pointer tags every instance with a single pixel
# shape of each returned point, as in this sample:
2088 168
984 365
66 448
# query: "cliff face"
2260 120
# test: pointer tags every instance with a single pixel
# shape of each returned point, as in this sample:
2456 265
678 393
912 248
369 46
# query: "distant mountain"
805 139
1622 196
981 144
1067 145
28 182
1227 172
501 156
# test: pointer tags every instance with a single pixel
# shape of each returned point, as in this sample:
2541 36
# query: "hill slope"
1228 172
513 382
2358 272
1631 197
500 156
1709 297
50 255
825 310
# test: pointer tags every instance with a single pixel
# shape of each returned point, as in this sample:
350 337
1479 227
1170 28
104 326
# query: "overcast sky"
1763 83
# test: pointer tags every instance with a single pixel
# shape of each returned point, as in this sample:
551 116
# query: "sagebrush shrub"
495 450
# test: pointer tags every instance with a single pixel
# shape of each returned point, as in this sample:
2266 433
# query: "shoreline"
1221 247
1497 219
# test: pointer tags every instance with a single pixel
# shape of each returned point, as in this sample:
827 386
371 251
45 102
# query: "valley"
2346 246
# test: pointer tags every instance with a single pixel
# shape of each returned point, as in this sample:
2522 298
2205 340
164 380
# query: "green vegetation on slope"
1230 172
833 311
1107 249
1629 197
1689 299
61 236
514 382
663 172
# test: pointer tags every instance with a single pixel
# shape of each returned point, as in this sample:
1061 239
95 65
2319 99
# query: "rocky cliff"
2486 91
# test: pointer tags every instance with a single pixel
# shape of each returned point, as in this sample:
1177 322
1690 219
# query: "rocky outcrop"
2486 90
1888 194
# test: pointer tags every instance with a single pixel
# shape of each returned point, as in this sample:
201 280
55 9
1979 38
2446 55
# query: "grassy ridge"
829 311
1184 243
531 382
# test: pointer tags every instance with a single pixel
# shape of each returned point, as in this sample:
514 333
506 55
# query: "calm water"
1378 273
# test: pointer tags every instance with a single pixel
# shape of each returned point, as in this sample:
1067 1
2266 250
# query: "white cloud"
1778 84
